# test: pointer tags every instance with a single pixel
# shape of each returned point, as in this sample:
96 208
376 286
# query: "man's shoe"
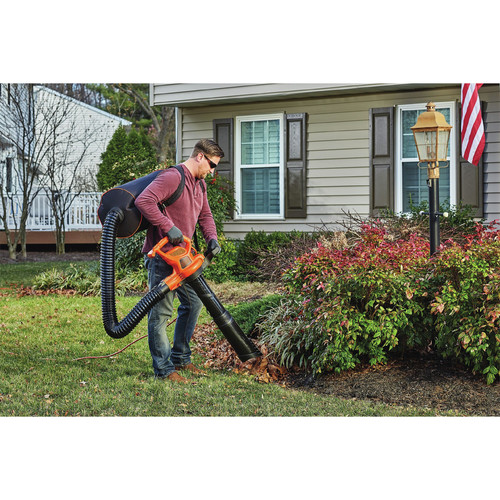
191 368
175 377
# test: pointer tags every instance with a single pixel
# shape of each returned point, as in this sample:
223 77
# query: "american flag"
472 123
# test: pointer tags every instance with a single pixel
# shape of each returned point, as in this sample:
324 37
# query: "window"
9 175
259 167
411 181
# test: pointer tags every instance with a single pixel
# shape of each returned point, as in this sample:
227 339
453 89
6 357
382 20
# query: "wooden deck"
49 237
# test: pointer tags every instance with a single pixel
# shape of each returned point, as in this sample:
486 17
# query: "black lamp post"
432 135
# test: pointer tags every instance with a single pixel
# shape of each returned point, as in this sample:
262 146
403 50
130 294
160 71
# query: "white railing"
81 215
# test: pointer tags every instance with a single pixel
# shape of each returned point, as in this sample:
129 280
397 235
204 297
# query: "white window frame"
398 170
238 167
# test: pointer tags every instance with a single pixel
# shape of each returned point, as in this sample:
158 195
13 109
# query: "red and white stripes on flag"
472 123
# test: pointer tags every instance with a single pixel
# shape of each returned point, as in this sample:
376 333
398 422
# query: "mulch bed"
420 380
423 381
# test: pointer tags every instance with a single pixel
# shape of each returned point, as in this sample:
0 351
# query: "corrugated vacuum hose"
114 328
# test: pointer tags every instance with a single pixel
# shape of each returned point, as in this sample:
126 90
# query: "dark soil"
40 256
423 381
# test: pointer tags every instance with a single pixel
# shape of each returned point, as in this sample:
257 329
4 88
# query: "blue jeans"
167 357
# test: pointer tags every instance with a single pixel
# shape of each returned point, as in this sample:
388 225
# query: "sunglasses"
212 164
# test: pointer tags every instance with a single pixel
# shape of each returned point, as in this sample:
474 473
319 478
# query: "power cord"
121 350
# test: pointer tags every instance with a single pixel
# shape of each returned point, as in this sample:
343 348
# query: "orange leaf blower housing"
184 261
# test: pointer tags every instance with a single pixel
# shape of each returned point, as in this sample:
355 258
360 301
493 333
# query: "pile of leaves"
219 355
24 291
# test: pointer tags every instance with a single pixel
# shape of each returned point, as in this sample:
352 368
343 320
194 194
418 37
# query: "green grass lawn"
22 273
41 337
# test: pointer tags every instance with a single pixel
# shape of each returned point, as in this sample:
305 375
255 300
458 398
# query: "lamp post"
432 135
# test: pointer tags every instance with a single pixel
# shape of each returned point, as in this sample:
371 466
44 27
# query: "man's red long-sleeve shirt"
191 207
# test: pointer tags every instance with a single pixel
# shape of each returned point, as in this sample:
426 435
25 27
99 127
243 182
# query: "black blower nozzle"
243 346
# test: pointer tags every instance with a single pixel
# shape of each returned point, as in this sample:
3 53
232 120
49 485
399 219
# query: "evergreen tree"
127 157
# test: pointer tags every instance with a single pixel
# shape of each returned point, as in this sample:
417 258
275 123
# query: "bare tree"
163 119
48 143
18 184
66 135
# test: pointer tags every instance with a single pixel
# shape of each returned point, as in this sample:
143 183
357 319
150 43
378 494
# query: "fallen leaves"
219 354
24 291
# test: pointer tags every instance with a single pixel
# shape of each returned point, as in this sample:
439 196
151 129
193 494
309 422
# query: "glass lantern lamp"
432 136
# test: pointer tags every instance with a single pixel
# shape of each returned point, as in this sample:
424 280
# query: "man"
174 222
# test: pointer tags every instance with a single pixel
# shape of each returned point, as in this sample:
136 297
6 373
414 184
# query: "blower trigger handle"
184 261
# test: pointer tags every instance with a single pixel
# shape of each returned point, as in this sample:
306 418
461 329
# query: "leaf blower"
122 219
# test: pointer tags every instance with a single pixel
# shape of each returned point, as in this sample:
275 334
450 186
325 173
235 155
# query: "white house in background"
82 135
86 131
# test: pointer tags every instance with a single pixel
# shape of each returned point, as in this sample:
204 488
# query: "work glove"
213 248
175 236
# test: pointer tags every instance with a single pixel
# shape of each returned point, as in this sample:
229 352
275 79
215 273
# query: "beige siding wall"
338 149
491 156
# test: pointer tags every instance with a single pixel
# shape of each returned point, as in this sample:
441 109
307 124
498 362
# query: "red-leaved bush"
346 306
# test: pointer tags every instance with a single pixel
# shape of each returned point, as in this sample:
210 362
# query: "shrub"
85 280
220 195
466 302
347 306
264 257
353 304
81 279
128 253
222 267
248 314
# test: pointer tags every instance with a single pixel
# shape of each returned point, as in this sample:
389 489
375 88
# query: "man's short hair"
207 147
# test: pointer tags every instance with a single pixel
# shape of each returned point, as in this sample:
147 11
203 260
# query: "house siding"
8 127
338 149
90 130
491 155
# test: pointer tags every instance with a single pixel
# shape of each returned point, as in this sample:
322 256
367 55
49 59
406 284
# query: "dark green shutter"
381 133
470 183
223 136
295 166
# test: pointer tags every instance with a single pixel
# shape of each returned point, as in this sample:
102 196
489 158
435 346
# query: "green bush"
220 195
128 253
222 267
344 307
466 303
249 314
85 280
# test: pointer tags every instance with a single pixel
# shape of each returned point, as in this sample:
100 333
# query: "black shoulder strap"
175 196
